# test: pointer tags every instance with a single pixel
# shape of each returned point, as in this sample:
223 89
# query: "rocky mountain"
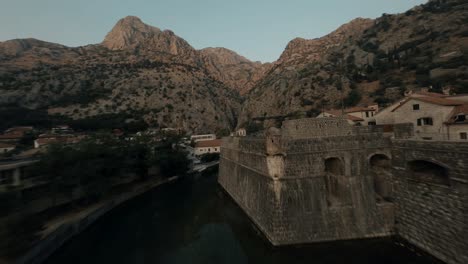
301 50
131 34
138 71
143 73
367 61
232 69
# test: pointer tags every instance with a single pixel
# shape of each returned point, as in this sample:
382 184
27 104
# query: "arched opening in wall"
429 172
334 166
380 168
335 182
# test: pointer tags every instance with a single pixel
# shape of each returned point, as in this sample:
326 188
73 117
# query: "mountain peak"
15 47
131 33
128 32
313 49
131 19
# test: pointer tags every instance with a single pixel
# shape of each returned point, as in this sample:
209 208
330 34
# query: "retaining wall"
285 186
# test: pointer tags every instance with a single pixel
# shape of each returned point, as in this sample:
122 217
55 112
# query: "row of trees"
81 174
96 164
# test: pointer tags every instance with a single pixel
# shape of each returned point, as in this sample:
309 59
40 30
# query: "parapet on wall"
315 127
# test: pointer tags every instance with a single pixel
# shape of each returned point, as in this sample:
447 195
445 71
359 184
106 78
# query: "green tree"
353 98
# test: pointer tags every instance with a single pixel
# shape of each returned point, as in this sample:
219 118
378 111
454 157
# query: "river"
193 221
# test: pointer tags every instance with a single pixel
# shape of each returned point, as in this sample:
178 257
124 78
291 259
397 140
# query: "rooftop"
438 101
209 143
358 109
19 129
431 100
430 94
458 110
12 135
4 145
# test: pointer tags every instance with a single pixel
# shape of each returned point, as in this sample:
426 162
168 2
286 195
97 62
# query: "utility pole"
342 99
191 97
341 72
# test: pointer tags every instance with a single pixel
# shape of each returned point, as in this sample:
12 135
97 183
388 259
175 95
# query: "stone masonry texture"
317 180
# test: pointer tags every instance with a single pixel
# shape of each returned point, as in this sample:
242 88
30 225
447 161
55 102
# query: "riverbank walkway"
62 228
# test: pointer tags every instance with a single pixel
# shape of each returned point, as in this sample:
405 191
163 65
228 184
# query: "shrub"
306 101
209 157
353 98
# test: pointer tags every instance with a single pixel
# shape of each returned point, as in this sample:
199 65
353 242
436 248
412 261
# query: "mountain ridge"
169 83
366 62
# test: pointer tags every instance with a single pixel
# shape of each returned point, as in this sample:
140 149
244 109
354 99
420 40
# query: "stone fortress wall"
430 181
318 180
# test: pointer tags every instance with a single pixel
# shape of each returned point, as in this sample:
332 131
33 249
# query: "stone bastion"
317 180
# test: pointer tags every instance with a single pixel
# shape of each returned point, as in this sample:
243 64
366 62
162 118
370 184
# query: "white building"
4 148
48 139
355 115
241 132
434 116
62 129
208 146
197 138
457 125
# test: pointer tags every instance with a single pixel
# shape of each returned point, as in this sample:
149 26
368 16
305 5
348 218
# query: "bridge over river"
193 221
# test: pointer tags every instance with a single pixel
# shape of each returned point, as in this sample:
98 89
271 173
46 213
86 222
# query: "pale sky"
256 29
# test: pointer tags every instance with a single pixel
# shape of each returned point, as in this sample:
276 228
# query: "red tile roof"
19 129
333 112
431 100
13 135
4 145
460 109
354 118
431 94
439 101
358 109
58 139
208 143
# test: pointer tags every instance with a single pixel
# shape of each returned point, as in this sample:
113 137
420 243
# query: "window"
425 121
367 114
460 118
416 107
463 135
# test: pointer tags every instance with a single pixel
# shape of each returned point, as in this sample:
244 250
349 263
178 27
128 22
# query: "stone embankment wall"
244 175
300 190
322 180
432 204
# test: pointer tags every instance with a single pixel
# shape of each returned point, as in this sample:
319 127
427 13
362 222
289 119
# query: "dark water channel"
193 221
